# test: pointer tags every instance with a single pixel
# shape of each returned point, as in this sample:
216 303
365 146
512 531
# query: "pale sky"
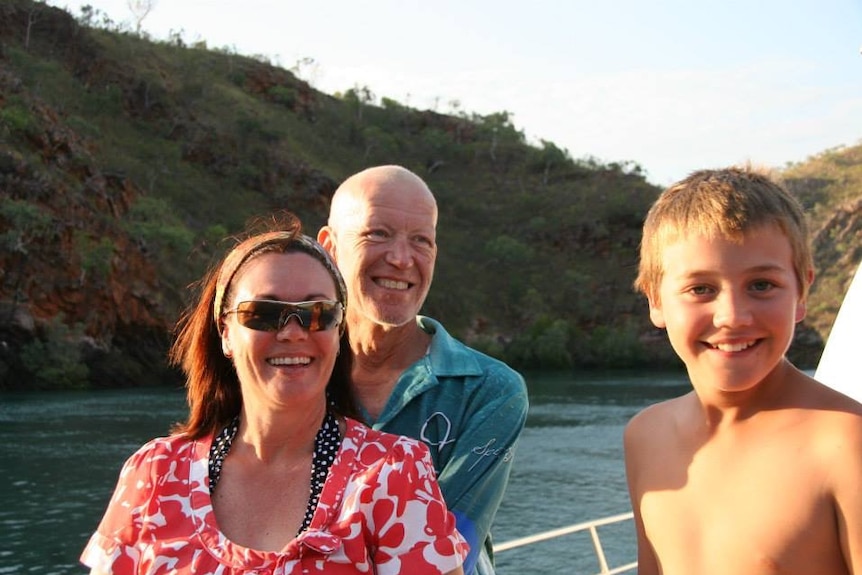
673 85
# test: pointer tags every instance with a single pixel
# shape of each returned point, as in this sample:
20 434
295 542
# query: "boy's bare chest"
729 507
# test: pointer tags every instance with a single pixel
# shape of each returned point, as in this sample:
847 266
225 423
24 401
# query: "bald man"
410 376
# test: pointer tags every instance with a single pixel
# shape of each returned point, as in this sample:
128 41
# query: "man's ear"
656 314
326 238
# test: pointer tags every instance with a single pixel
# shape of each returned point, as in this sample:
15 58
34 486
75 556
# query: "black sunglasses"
272 315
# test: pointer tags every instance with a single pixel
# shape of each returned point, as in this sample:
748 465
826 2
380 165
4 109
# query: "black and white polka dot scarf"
326 445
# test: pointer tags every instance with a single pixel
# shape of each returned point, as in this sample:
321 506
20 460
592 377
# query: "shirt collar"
447 355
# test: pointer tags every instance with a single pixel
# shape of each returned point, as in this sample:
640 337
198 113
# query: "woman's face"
289 367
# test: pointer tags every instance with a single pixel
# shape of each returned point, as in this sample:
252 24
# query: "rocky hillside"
830 187
124 164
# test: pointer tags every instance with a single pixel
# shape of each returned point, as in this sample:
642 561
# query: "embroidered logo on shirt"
444 440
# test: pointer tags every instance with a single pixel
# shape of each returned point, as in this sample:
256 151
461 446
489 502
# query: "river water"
60 453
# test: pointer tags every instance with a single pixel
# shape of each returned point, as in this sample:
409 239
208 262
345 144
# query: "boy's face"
729 308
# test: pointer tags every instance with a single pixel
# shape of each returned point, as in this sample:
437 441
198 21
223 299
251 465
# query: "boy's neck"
730 408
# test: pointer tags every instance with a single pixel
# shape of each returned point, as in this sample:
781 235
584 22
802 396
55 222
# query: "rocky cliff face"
837 248
83 301
829 185
64 253
77 290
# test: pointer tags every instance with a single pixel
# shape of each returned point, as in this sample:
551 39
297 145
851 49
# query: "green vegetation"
125 163
55 358
26 223
96 256
829 185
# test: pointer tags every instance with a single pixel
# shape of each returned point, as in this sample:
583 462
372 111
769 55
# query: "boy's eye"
762 285
700 290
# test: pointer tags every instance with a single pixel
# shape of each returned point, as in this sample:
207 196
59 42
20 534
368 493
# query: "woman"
270 474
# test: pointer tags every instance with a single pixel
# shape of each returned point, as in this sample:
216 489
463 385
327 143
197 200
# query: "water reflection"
569 468
60 454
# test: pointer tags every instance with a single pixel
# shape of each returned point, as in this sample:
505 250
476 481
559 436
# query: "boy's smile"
729 307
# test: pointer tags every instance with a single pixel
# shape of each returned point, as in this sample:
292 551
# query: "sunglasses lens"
266 315
259 315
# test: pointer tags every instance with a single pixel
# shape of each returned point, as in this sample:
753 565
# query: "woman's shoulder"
169 444
375 444
160 452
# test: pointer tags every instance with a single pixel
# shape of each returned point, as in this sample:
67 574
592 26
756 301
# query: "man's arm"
476 472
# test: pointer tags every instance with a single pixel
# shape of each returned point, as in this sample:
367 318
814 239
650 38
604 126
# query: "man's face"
385 246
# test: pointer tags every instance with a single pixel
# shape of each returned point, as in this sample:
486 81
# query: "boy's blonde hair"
722 203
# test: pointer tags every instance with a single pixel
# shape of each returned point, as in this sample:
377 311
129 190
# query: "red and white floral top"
380 511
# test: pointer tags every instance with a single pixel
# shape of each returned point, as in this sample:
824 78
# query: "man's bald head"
361 188
382 233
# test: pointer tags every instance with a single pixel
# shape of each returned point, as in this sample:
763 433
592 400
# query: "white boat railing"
591 526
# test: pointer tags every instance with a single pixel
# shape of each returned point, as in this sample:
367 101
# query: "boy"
758 469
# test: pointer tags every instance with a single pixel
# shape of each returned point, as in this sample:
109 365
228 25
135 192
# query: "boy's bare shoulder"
844 411
844 403
826 403
658 417
831 420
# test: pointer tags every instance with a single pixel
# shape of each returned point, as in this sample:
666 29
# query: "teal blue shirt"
469 409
